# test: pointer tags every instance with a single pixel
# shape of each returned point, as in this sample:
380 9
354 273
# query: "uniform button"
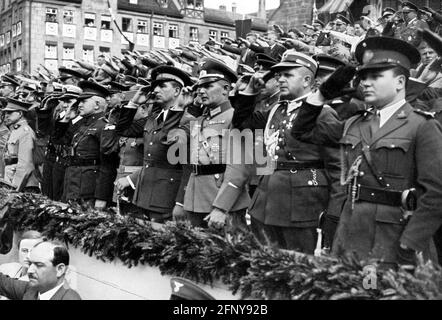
361 174
151 143
277 148
392 146
272 126
276 157
310 183
147 166
171 179
380 178
280 139
388 185
372 194
148 154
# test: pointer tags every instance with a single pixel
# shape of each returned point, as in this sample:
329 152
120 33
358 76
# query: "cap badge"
177 286
368 55
203 73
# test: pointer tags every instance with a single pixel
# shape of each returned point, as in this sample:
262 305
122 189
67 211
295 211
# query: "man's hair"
176 85
359 22
31 234
401 71
61 254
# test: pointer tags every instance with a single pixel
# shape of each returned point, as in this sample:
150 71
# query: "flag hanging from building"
334 6
114 19
315 12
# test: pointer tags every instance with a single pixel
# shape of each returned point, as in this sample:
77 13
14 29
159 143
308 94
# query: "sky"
243 6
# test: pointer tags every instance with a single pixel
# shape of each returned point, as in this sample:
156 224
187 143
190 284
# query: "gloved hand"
329 229
433 40
334 86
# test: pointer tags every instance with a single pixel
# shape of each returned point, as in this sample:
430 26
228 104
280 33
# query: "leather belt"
83 162
299 165
379 196
202 170
10 161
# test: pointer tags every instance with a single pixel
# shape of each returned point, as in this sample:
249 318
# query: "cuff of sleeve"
131 105
227 197
130 182
316 99
179 204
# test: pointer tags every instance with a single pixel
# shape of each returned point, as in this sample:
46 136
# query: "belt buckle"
195 169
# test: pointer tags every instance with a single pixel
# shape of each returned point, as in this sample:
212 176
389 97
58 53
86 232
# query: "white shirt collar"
50 293
76 119
386 112
411 21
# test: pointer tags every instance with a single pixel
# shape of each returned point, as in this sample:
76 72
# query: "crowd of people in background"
348 112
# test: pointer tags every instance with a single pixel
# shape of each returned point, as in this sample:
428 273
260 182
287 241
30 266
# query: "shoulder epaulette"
426 114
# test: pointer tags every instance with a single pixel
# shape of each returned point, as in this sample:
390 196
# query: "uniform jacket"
158 182
292 198
409 32
4 135
20 146
20 290
90 181
407 153
211 128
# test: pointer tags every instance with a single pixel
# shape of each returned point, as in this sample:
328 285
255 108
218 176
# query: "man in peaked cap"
346 107
7 86
274 50
208 149
56 107
392 157
72 76
18 158
319 25
264 62
285 209
183 289
341 23
412 24
90 173
151 193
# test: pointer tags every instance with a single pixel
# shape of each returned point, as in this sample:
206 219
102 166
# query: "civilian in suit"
247 55
48 265
274 50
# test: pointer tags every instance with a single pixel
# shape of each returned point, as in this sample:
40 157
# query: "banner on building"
335 6
243 27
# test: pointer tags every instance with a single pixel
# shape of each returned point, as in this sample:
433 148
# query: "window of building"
50 51
194 33
127 25
105 22
133 1
213 34
51 15
142 26
162 3
104 50
195 4
173 31
224 34
68 17
89 19
158 29
88 54
68 52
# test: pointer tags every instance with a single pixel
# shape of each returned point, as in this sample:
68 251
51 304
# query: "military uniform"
288 202
409 32
209 135
158 183
4 135
90 173
18 157
390 173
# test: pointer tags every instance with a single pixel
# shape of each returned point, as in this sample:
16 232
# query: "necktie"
375 122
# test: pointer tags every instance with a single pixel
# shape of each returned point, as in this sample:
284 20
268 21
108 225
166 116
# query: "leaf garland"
206 256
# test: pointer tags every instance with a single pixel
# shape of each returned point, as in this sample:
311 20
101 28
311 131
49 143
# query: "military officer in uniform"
391 157
412 23
208 147
288 203
18 158
7 86
158 183
54 108
90 174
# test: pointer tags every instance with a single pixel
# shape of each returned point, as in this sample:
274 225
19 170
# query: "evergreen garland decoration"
206 256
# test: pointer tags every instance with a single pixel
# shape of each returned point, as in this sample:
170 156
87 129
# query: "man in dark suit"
248 56
274 50
49 262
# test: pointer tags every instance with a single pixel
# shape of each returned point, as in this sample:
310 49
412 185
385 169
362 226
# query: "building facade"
50 33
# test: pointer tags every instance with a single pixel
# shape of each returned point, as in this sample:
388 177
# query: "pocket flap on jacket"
393 143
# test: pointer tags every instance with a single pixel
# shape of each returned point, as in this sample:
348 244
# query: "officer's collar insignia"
214 112
177 286
176 108
402 115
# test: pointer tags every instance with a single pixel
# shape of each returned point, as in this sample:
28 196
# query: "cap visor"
207 80
286 65
85 96
376 66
